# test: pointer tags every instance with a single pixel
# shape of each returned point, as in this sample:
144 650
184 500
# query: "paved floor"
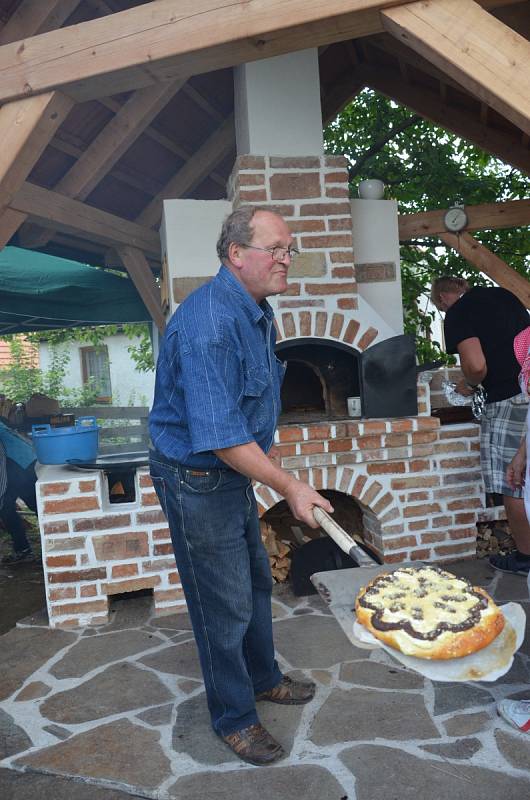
117 711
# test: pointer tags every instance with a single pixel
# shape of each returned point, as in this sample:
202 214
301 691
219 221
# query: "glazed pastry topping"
423 602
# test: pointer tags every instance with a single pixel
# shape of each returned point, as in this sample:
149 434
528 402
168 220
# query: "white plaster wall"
376 239
189 233
277 106
129 387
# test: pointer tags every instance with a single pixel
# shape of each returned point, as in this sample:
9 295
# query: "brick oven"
417 483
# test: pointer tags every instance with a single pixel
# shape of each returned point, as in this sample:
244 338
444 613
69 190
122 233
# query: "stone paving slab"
28 786
24 650
276 783
119 711
122 687
393 773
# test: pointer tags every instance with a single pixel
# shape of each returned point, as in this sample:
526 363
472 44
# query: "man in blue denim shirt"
216 406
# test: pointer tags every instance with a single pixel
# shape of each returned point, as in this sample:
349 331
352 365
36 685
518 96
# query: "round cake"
427 612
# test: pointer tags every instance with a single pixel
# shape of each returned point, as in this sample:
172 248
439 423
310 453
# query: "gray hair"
237 228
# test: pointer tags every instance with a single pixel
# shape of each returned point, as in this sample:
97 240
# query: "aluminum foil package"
453 397
477 400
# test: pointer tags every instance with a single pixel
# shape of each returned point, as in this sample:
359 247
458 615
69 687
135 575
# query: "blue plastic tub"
73 444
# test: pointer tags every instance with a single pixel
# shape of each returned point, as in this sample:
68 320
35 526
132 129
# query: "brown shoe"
255 745
289 692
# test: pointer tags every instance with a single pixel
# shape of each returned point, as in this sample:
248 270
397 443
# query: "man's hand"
250 460
301 498
463 388
515 472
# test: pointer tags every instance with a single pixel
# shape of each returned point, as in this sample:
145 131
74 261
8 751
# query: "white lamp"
371 189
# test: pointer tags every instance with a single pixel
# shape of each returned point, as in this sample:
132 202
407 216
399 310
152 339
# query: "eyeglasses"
277 253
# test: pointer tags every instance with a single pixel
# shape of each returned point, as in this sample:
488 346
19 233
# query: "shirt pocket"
256 396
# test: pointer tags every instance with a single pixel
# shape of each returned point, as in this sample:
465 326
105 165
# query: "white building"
110 365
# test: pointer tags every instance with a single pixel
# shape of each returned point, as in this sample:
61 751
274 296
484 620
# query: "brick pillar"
311 192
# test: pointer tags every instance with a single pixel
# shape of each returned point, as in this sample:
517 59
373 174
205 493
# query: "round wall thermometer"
455 219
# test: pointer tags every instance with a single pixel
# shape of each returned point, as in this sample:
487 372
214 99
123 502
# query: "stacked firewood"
492 538
279 552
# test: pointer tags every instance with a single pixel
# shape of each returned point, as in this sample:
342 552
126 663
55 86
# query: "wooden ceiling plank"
136 180
201 101
486 216
427 104
482 259
36 16
141 275
338 97
198 167
485 56
388 45
108 147
46 207
26 127
162 139
115 138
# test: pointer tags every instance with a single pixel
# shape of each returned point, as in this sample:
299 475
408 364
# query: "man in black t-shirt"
480 325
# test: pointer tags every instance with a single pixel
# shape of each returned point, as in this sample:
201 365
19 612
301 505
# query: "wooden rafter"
195 170
486 57
26 127
138 268
108 147
482 259
167 39
487 216
46 208
504 145
29 125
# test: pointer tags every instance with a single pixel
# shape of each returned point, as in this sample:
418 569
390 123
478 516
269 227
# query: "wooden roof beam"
108 147
31 17
48 208
427 103
141 275
485 56
195 170
26 127
490 216
167 39
483 260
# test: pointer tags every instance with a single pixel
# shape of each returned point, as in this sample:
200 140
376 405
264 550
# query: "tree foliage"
424 167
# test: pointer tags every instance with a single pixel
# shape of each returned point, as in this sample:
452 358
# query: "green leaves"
425 167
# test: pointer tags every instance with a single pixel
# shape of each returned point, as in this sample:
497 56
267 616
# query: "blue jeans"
226 577
20 483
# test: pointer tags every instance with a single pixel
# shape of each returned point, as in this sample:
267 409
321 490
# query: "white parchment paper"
486 665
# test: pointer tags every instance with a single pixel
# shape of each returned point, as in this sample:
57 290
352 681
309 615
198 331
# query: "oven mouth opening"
319 379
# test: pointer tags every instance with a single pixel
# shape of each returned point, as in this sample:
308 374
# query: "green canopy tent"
41 292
